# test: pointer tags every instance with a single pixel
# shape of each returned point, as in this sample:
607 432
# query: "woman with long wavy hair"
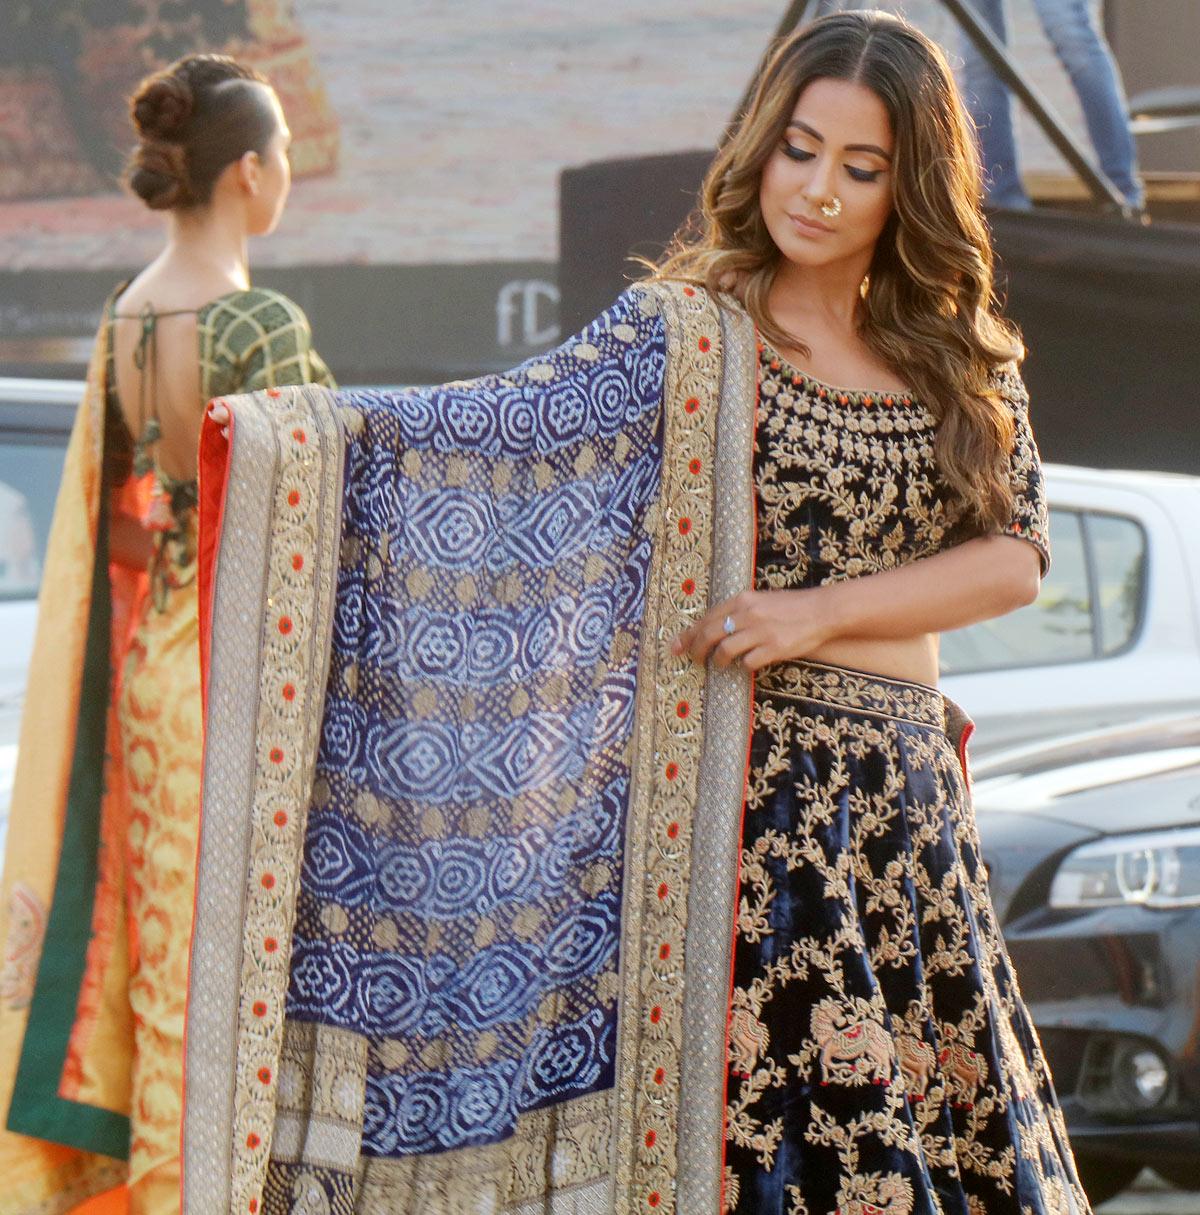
880 1055
477 778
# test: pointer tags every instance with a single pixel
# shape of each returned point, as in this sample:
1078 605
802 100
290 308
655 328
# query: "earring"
832 207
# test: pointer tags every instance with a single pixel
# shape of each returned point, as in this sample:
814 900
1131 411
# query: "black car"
1092 844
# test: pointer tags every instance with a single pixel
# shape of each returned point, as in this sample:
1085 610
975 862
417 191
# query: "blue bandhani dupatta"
470 832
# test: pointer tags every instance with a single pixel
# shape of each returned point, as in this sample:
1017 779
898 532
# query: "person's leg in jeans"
992 109
1072 28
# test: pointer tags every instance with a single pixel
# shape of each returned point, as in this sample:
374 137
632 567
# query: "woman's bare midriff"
914 659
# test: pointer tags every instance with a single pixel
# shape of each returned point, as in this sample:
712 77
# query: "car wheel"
1185 1174
1104 1179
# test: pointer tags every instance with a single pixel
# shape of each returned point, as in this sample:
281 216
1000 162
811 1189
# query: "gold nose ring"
832 208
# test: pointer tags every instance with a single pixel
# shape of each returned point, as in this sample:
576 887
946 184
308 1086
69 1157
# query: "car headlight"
1154 869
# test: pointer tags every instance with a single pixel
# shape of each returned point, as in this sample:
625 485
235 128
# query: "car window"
1090 605
30 468
1056 628
1118 548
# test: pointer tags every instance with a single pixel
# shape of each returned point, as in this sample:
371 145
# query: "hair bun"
158 176
162 107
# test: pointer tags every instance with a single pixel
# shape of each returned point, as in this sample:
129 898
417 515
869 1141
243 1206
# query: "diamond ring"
729 626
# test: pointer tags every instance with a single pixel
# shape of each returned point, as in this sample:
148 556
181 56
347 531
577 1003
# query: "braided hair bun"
192 119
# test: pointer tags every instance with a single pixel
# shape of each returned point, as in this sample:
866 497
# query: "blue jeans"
1080 46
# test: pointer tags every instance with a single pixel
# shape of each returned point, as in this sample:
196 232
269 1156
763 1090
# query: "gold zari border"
271 623
669 736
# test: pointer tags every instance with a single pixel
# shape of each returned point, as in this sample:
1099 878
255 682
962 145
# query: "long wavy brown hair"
928 308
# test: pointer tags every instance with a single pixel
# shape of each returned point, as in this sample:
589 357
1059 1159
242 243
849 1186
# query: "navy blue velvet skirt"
881 1059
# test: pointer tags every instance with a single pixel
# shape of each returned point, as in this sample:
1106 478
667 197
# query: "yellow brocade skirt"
158 712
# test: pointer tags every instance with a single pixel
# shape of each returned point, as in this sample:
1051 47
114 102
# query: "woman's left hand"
768 626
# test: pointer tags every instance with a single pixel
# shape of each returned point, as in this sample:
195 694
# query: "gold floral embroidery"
848 485
928 1092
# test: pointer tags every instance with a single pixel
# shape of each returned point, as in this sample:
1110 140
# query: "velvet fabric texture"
881 1058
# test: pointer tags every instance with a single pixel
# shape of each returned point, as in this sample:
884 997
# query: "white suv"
1114 635
35 424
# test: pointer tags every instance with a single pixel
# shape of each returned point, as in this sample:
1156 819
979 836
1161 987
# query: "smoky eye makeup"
858 174
796 153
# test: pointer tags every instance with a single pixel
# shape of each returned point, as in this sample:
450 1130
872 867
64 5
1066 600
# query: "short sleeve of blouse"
1030 514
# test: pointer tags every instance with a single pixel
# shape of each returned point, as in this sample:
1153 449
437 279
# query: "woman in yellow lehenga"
99 874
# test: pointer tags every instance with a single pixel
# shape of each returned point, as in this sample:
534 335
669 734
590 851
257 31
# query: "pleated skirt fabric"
881 1059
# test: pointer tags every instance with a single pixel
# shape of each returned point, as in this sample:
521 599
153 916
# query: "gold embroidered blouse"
847 484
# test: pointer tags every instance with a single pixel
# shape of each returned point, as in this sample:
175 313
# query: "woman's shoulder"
686 299
261 307
242 321
1005 380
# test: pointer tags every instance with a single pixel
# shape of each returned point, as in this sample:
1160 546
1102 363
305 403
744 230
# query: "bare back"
167 384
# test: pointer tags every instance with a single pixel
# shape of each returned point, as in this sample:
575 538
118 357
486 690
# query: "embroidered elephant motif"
875 1194
748 1040
854 1047
965 1071
918 1062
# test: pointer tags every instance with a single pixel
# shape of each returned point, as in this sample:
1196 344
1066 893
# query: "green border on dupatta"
36 1107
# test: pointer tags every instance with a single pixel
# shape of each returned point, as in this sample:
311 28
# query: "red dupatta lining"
215 447
216 443
737 878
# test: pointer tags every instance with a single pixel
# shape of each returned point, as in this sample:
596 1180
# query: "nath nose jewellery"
832 207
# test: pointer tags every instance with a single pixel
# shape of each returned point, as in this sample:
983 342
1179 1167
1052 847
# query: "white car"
1114 635
35 423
